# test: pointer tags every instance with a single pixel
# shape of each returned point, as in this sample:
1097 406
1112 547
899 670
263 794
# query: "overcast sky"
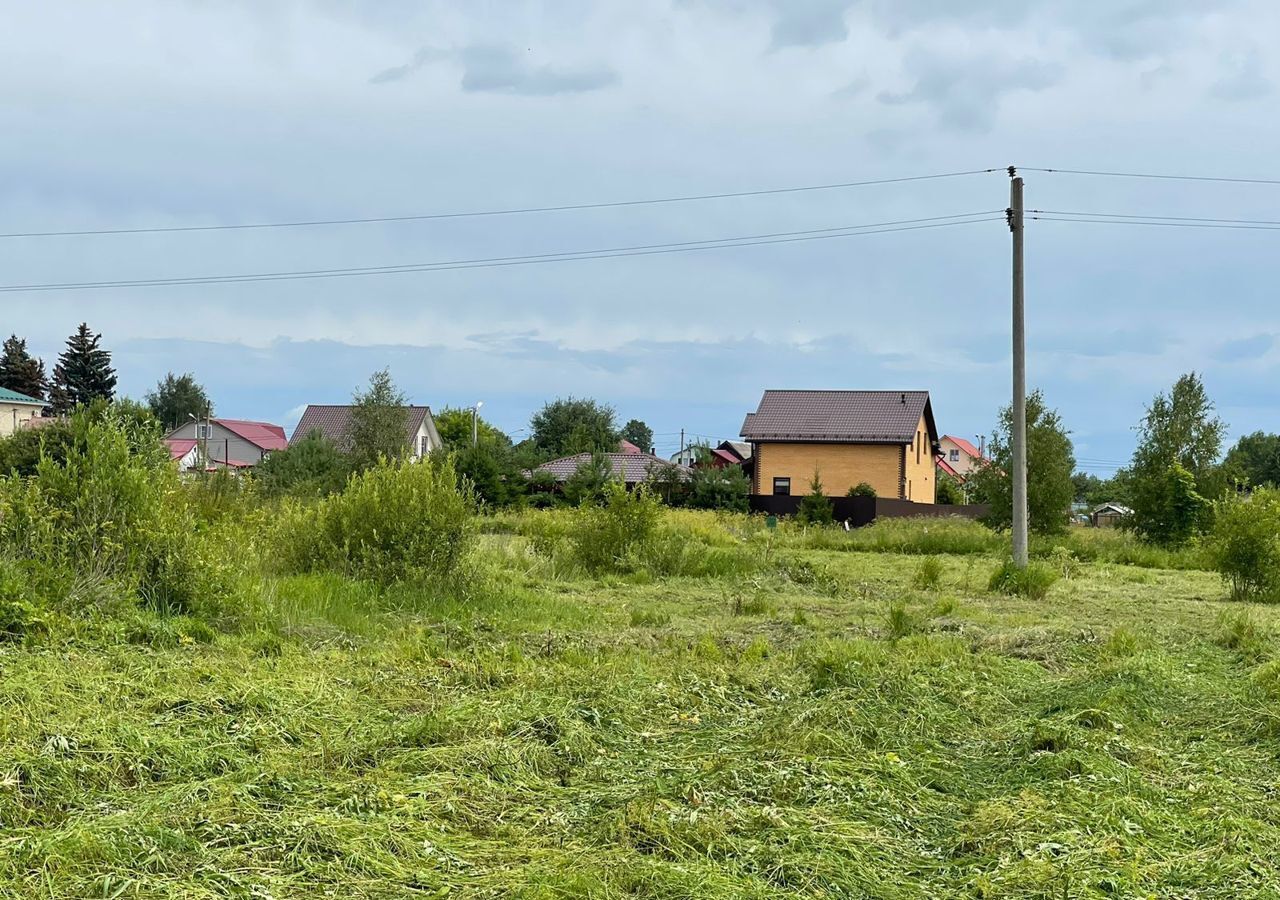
141 114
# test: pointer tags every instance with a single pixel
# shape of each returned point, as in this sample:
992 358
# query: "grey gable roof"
334 422
861 417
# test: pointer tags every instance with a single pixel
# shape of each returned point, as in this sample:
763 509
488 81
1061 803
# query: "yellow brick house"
887 439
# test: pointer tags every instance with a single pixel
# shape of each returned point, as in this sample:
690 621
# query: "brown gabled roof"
334 422
632 468
852 417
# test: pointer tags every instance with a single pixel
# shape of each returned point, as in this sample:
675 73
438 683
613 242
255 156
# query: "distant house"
630 468
625 446
727 453
740 450
223 443
16 410
1109 515
334 422
959 457
887 439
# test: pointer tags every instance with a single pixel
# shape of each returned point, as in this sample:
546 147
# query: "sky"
173 114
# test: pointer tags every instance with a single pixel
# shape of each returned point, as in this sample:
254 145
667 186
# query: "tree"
638 433
490 469
379 422
177 397
949 492
20 371
1050 462
1254 460
83 373
567 426
311 467
815 507
1178 434
724 488
454 425
589 483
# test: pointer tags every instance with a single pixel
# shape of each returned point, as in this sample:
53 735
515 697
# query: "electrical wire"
1155 223
562 256
613 204
1210 178
1059 212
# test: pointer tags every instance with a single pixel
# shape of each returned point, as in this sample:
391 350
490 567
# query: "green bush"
19 616
111 510
815 508
1244 546
615 535
395 521
861 489
1033 582
929 575
311 467
724 488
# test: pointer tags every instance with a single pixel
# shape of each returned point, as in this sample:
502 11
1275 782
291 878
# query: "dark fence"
859 511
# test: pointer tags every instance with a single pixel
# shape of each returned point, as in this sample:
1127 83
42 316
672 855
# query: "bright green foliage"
1032 582
1254 460
1168 510
20 371
863 489
638 433
19 617
571 425
928 575
815 508
949 492
724 488
454 425
1050 462
177 399
1179 434
83 373
311 467
588 483
110 510
494 477
379 423
615 534
393 522
1244 546
20 452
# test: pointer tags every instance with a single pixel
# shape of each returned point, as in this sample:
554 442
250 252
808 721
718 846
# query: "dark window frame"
782 481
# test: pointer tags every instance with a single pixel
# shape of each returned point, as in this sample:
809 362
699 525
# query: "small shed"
1109 515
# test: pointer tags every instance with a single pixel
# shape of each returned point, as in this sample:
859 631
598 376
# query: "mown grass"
818 714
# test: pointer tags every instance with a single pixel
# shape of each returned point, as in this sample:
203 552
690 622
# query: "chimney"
902 398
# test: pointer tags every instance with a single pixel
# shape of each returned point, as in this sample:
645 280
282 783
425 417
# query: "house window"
781 487
917 448
204 431
424 446
955 455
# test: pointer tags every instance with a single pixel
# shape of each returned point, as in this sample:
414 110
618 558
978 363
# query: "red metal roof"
726 456
948 468
260 434
179 447
625 446
963 445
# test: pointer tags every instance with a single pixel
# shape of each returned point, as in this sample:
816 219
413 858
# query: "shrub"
1033 582
589 482
19 616
861 489
929 575
1245 545
815 508
615 535
311 467
111 510
724 488
395 521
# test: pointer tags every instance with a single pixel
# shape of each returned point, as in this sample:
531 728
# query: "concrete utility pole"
1019 436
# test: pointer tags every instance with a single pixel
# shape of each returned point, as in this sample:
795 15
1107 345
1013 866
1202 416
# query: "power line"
612 204
1211 178
1059 212
1155 223
562 256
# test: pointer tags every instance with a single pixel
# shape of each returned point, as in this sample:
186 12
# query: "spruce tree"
20 371
83 373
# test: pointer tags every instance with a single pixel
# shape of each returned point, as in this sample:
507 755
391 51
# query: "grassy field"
838 720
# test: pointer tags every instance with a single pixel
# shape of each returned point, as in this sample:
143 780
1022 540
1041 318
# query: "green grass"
815 720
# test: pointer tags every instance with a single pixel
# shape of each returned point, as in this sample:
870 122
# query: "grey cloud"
965 92
1245 81
499 69
810 23
1245 349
